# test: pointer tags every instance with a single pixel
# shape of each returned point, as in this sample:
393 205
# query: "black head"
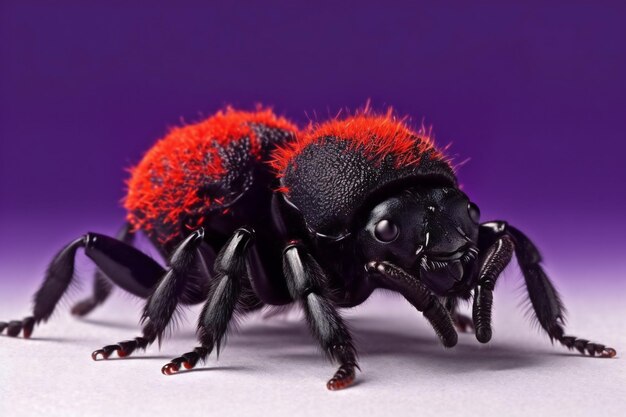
429 232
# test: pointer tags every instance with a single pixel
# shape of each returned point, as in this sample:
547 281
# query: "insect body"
249 211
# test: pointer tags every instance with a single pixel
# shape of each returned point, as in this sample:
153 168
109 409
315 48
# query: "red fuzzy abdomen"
197 170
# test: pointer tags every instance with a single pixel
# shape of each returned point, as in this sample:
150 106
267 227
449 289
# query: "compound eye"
386 231
474 212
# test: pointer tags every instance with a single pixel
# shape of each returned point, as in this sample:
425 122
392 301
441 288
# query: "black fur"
230 275
59 275
308 284
162 303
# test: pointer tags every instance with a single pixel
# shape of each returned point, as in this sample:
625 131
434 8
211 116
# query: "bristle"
376 135
163 187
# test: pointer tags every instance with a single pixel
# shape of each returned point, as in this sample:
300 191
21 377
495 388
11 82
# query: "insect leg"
544 298
230 268
420 297
307 283
496 258
162 302
126 266
102 286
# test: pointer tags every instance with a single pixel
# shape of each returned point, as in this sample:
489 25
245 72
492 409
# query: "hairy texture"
332 170
59 276
377 136
223 300
308 283
200 168
164 300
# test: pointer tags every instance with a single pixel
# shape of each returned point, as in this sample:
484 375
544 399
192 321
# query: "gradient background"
534 95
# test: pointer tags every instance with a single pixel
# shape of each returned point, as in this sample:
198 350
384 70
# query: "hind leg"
102 286
126 266
176 285
544 298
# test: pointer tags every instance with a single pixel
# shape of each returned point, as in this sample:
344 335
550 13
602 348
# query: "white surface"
274 368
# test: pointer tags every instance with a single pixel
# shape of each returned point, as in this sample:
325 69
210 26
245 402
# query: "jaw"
444 278
448 280
441 277
397 278
450 275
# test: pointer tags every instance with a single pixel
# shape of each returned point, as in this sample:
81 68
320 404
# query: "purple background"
534 95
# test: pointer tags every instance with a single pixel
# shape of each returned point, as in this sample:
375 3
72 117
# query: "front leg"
544 298
308 284
497 256
420 297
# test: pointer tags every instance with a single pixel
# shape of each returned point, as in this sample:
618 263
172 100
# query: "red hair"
376 135
163 187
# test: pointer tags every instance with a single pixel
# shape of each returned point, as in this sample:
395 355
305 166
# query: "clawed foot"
608 353
189 360
14 327
584 346
123 349
343 378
